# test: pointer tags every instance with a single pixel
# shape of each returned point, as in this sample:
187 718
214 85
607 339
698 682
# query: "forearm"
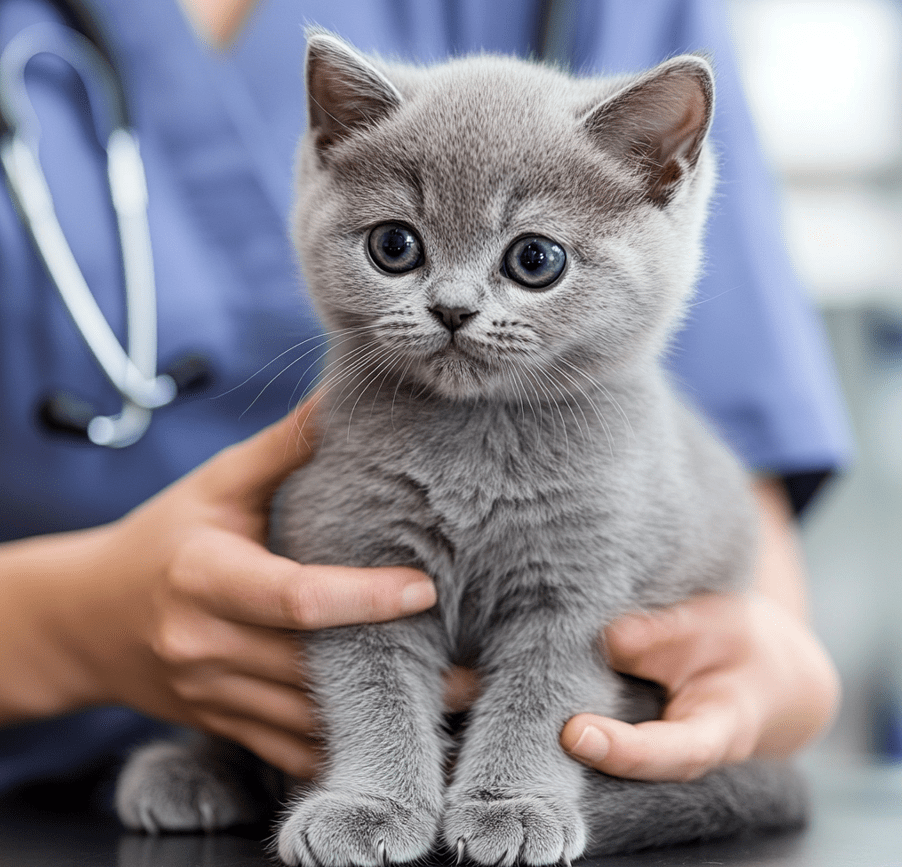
780 573
46 588
781 578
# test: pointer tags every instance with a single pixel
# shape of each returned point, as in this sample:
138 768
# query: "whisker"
573 400
256 373
605 392
565 399
554 405
328 363
363 361
324 336
323 339
395 394
521 391
701 301
604 424
260 393
345 368
385 357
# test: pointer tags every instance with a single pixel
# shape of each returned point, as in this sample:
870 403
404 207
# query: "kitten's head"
490 226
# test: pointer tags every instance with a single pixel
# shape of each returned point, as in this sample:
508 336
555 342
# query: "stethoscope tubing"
133 372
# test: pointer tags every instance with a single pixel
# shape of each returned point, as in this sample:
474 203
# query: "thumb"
671 646
252 469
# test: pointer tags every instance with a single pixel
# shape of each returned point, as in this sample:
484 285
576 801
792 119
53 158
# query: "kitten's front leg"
380 692
516 796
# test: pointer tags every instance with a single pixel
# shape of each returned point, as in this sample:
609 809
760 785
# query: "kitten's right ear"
345 92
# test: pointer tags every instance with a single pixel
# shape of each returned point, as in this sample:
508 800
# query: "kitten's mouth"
457 371
456 366
456 350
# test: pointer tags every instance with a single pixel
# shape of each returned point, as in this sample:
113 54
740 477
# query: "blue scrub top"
217 131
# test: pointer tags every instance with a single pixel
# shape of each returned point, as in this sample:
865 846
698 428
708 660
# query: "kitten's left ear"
659 122
345 92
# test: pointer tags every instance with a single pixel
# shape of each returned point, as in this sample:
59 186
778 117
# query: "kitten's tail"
626 815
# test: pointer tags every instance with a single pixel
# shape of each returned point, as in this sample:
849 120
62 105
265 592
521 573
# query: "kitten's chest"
493 504
490 477
507 506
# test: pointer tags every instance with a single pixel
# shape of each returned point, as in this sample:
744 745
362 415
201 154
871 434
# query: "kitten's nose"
451 317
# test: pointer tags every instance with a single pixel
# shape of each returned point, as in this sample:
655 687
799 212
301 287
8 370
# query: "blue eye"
395 248
534 262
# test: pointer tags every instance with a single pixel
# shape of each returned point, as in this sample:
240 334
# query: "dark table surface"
857 820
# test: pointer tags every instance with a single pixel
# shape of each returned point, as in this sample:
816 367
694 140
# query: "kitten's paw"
338 829
169 787
525 829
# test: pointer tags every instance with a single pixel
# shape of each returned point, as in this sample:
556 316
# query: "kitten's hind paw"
518 830
338 829
170 787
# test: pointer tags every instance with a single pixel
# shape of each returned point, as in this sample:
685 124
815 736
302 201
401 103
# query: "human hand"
192 620
744 677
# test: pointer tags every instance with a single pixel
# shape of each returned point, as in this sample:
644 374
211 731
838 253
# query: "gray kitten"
502 252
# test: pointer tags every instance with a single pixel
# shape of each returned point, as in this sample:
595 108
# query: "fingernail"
418 597
592 745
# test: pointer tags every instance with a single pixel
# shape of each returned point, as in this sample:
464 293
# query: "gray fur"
537 465
196 783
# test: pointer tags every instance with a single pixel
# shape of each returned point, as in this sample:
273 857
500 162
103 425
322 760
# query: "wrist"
95 625
802 681
44 667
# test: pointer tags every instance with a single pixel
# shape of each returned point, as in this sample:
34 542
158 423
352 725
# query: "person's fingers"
273 704
260 652
238 579
189 637
462 688
674 749
252 469
676 644
296 756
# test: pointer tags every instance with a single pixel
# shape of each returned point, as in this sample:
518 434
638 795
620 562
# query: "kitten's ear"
345 92
659 122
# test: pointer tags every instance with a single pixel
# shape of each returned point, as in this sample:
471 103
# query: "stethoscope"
132 370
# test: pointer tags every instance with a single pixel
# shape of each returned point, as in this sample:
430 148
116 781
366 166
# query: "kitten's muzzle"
452 317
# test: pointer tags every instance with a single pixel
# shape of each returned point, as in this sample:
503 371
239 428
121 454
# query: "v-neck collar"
169 57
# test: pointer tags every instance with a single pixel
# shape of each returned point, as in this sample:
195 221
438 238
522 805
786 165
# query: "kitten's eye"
534 262
395 248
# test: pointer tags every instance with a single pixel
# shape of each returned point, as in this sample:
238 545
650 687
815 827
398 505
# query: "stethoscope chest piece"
67 414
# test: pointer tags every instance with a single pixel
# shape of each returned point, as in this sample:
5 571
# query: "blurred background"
824 78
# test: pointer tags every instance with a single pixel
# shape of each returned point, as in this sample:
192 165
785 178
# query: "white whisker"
322 373
394 396
605 392
324 337
565 399
386 357
604 424
364 357
323 340
554 405
340 372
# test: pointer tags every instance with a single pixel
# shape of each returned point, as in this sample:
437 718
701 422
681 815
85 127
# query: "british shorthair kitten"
502 252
